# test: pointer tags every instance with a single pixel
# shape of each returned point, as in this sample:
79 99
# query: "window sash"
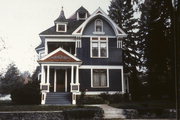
99 78
99 47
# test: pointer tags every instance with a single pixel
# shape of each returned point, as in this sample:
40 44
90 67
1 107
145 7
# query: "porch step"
58 98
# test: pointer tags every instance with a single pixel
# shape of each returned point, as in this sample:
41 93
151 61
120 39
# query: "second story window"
99 47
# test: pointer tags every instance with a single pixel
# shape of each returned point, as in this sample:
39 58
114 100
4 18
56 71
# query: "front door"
60 84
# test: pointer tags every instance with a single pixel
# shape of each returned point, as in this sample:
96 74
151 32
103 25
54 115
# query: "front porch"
59 78
59 73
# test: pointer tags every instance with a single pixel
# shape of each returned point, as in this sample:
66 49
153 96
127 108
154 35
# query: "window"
99 25
99 78
61 28
81 16
99 47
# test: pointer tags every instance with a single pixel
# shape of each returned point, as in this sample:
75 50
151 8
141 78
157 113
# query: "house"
83 52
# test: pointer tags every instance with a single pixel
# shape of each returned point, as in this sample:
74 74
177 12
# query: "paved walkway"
111 112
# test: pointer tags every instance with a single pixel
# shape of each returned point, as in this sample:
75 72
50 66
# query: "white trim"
100 67
103 14
99 41
40 48
95 24
55 79
122 78
61 63
78 18
65 80
60 49
88 36
57 27
60 39
48 77
107 78
57 35
99 92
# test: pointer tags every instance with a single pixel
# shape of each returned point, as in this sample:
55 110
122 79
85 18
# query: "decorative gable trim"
75 59
118 31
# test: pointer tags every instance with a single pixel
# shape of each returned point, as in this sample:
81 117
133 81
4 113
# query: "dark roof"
40 46
61 17
72 25
81 10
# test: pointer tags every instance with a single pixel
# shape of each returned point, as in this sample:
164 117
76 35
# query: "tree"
11 80
156 23
122 12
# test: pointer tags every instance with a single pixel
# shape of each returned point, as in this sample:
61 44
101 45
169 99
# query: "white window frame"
99 47
57 26
95 24
107 78
78 18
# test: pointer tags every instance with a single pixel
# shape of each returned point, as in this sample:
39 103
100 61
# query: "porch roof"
59 55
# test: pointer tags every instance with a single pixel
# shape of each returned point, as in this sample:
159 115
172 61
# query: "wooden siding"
115 54
114 81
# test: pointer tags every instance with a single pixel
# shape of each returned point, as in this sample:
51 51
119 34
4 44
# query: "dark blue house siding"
115 54
114 80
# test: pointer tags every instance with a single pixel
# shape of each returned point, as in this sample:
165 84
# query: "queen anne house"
83 52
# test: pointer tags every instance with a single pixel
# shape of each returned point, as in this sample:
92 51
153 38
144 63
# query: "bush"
113 98
28 94
91 100
83 113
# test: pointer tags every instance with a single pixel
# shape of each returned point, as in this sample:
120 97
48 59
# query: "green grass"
159 104
9 106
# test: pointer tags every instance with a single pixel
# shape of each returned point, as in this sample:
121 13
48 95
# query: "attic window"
98 27
61 27
81 16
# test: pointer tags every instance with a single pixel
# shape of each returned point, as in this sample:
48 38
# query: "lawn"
156 104
9 106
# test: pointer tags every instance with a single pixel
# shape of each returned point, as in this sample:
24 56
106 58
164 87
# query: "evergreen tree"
11 80
157 24
122 12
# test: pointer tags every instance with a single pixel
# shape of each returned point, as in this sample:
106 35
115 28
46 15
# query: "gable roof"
59 55
118 31
80 10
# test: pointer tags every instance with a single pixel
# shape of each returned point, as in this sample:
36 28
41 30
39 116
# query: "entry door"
60 84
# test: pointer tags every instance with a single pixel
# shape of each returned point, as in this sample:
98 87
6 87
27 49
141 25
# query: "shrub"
28 94
113 98
91 100
83 113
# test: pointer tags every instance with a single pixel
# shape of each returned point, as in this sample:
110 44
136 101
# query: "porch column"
55 80
48 77
77 74
42 74
66 80
72 74
122 77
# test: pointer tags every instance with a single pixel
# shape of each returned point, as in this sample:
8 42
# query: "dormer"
82 13
61 22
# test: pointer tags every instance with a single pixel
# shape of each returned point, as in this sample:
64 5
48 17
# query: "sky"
21 22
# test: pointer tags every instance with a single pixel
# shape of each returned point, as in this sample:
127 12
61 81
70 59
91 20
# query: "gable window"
99 78
98 27
61 27
99 47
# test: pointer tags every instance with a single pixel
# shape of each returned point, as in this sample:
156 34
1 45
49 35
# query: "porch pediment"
59 55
